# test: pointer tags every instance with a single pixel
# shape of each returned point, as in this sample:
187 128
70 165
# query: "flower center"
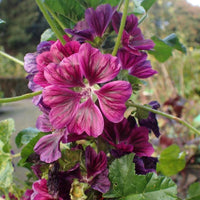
86 92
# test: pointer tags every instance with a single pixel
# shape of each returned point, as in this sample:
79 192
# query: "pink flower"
40 191
73 88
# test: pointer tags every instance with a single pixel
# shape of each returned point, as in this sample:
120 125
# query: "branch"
181 121
19 98
12 58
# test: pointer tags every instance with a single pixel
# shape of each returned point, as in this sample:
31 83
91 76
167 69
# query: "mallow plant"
91 140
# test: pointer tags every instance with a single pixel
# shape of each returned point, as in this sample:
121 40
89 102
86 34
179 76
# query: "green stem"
19 98
121 28
120 4
181 121
12 58
51 23
142 19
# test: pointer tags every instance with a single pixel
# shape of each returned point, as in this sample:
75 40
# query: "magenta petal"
97 67
48 147
129 60
43 60
99 19
63 102
60 51
142 70
112 98
67 73
88 118
40 79
43 123
40 191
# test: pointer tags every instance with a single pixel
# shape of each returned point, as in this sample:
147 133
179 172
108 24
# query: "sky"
194 2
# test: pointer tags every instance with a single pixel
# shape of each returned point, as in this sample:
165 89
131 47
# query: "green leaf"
161 51
6 129
126 185
171 161
69 9
146 4
91 3
163 48
173 41
48 35
194 192
24 136
138 9
28 150
6 170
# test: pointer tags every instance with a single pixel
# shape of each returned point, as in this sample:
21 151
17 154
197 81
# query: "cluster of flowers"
83 98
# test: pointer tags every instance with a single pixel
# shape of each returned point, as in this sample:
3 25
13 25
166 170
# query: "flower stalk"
121 28
179 120
59 35
19 98
12 58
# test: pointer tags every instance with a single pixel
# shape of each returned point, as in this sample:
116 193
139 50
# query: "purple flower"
30 64
126 137
48 147
151 122
95 23
136 65
132 38
97 172
145 164
73 89
66 180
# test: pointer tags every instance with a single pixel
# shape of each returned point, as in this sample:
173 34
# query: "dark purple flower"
97 172
95 23
74 89
126 137
66 180
132 38
136 65
151 122
145 164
